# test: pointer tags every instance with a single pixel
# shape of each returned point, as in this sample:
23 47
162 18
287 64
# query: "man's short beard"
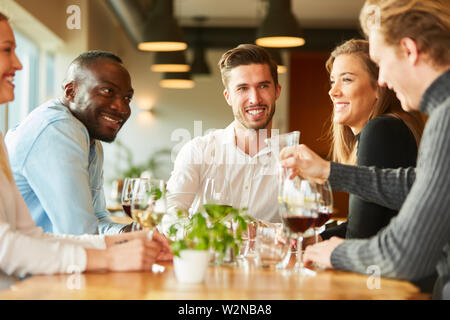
101 137
263 126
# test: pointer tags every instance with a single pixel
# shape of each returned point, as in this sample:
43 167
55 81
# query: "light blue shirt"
59 173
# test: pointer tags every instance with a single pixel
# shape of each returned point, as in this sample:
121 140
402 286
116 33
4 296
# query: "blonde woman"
369 128
24 249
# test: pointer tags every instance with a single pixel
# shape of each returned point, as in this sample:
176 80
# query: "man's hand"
320 253
305 162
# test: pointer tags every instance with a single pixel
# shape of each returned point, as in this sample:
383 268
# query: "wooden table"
222 283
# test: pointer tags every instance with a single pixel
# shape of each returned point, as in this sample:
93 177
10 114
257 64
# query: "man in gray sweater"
410 41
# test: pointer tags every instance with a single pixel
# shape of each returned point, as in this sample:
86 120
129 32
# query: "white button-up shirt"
252 180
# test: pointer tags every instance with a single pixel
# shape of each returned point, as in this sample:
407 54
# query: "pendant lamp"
177 80
279 28
162 32
173 61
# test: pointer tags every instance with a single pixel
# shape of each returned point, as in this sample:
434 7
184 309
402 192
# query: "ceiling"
227 23
249 13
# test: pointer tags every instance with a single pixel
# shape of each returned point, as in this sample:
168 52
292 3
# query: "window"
30 90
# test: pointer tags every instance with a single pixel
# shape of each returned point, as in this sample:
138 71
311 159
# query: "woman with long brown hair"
369 128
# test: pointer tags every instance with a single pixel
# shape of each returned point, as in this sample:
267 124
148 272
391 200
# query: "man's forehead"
104 66
105 71
243 73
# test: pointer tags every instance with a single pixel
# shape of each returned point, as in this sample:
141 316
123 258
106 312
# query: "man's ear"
70 91
277 91
409 50
226 94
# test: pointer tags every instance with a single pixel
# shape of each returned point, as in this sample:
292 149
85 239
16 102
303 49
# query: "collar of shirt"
229 138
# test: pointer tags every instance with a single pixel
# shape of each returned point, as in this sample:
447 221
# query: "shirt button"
246 187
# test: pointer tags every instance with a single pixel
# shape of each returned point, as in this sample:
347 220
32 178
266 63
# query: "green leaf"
177 246
173 230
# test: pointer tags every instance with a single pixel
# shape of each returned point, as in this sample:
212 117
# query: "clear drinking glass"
148 202
325 206
271 245
299 213
248 246
276 144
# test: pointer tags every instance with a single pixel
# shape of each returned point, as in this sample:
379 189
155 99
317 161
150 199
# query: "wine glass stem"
299 251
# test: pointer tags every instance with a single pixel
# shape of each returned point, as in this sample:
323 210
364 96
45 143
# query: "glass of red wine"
276 143
299 213
325 206
127 193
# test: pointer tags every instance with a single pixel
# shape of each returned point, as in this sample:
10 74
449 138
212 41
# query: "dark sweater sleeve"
337 231
384 142
386 187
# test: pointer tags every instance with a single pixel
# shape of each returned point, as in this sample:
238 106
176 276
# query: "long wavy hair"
4 162
343 141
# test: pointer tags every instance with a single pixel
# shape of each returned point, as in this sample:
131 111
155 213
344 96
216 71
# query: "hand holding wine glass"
306 163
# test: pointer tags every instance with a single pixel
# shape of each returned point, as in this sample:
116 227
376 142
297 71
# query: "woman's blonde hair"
427 22
4 162
343 141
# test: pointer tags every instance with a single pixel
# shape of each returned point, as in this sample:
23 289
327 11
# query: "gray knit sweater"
416 243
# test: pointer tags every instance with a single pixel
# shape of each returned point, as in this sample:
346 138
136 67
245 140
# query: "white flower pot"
191 266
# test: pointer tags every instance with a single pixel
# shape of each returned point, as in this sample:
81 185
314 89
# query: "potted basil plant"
216 228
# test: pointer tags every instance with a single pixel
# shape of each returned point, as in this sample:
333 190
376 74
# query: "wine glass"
299 213
276 144
219 194
148 202
127 193
325 206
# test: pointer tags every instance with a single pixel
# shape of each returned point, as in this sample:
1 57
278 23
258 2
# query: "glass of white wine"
148 202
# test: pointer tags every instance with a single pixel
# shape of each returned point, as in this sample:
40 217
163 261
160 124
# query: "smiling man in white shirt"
236 155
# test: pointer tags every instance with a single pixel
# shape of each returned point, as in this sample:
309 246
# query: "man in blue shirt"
56 155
